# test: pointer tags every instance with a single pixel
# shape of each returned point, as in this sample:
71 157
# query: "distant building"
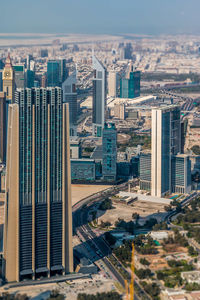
181 174
44 53
44 81
3 125
99 98
30 78
113 84
130 87
75 148
128 51
109 141
70 97
165 142
145 171
119 111
53 73
83 169
63 71
19 76
9 80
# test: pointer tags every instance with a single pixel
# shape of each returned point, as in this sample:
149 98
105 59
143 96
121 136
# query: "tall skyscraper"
9 80
70 97
130 87
109 141
63 71
113 84
2 127
53 73
165 142
19 77
145 171
30 77
38 223
99 97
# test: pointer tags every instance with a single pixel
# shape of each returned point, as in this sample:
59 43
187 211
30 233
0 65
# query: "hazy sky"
100 16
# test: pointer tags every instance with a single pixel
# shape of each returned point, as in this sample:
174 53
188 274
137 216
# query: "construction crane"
130 296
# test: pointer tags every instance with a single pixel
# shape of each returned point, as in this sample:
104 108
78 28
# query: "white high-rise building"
99 97
165 142
112 84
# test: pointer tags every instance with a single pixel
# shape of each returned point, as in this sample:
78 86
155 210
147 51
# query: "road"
98 248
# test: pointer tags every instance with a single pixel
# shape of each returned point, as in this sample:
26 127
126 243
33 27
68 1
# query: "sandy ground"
69 289
82 191
146 211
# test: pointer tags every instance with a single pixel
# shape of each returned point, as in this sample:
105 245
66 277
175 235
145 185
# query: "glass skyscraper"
109 141
38 225
130 87
99 98
53 73
165 142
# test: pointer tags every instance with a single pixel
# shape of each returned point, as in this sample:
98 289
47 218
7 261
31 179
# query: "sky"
100 16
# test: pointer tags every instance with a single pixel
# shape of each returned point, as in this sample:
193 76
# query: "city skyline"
107 17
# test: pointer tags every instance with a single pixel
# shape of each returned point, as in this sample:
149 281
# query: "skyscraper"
99 97
112 84
19 76
30 77
9 80
38 223
165 142
109 141
70 97
2 127
63 71
130 87
53 73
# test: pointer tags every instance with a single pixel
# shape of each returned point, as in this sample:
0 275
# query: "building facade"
165 142
70 97
83 169
2 127
19 76
53 73
112 84
145 171
130 87
181 174
38 223
99 98
109 141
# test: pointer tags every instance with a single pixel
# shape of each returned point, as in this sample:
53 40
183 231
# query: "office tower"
44 53
145 171
70 97
112 84
165 142
29 58
19 77
130 87
38 223
119 111
63 71
181 174
109 142
44 81
9 80
128 51
2 127
53 73
30 78
99 97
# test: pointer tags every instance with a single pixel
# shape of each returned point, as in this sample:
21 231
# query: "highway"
97 246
